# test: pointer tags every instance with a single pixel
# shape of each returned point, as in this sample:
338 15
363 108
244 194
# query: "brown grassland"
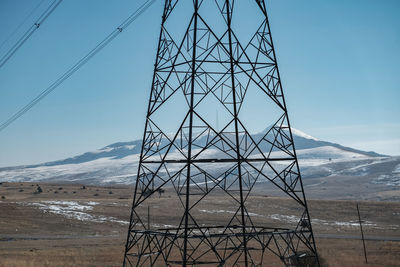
33 234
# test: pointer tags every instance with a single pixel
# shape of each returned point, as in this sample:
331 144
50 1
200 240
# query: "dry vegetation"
31 235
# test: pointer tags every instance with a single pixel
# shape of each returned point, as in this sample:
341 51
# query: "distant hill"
117 164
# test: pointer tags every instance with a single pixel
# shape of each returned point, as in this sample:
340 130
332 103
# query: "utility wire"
80 63
22 23
30 31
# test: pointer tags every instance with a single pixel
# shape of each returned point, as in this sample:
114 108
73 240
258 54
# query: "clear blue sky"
339 63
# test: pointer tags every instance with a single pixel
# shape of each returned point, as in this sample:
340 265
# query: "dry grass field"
72 225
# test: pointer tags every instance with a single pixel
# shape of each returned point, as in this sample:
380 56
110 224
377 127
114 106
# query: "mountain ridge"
122 149
321 163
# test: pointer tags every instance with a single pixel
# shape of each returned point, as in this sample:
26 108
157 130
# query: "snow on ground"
387 179
101 168
110 170
329 152
111 148
295 219
219 211
227 211
397 169
106 149
73 210
286 218
158 226
319 155
302 134
362 169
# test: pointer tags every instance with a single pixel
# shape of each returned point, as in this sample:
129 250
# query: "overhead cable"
29 32
79 64
21 23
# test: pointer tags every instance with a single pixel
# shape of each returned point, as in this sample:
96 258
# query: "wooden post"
148 217
362 234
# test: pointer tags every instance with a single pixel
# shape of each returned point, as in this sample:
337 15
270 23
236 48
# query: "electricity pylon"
213 55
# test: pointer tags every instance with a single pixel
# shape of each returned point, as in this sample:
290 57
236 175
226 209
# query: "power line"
22 23
79 64
29 32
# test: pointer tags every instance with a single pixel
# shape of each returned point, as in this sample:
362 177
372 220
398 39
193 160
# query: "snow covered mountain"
117 164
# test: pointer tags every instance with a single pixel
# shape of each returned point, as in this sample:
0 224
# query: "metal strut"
235 116
189 157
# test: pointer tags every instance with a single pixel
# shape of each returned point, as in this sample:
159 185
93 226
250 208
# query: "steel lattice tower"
213 175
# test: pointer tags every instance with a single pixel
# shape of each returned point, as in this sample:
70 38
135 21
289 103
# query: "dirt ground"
73 225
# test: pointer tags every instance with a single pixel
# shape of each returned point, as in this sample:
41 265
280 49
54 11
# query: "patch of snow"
317 156
74 210
354 223
397 169
71 205
92 203
316 184
388 179
362 169
106 149
111 148
219 211
99 169
287 218
209 182
155 225
329 152
296 219
228 211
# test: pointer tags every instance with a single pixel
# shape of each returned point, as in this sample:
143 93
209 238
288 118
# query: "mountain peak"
303 134
295 132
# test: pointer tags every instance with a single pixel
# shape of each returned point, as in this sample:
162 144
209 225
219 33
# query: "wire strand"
29 32
21 23
79 64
